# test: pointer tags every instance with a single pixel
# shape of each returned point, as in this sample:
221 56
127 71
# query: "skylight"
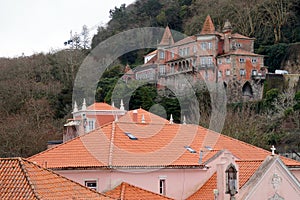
131 136
190 149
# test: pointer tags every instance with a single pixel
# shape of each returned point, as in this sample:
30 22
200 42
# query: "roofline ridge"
25 172
111 145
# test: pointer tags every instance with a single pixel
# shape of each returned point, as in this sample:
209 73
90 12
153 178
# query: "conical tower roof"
167 38
208 26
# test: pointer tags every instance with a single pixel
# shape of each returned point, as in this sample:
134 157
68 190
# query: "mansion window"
195 49
220 61
227 59
203 45
254 72
162 186
242 72
219 74
253 60
242 60
209 61
172 54
162 70
91 184
227 72
203 61
209 45
180 52
161 54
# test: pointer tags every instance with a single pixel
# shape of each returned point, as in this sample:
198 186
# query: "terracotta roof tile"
101 106
21 179
247 169
208 26
136 116
167 38
206 191
157 143
127 191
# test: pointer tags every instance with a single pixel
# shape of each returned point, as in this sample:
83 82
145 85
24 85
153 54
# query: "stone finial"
122 105
171 119
113 104
75 107
116 118
83 105
273 150
143 119
227 26
184 120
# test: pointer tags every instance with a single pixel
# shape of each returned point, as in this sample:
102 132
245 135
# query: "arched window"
231 180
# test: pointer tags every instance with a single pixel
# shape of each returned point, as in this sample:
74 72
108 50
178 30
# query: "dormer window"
231 180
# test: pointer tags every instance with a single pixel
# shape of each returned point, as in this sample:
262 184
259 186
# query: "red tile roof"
126 191
157 143
208 26
247 169
206 191
22 179
101 106
167 38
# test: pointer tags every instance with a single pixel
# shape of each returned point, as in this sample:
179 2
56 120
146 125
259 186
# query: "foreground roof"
126 191
130 143
22 179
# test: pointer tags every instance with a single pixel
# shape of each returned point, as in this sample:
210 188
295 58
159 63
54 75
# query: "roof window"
131 136
190 149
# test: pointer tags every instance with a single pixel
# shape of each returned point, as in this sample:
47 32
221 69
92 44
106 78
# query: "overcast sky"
33 26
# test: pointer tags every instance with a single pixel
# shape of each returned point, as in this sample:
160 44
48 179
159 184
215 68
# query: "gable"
271 180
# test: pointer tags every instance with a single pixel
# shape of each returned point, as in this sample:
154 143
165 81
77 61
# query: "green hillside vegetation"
36 91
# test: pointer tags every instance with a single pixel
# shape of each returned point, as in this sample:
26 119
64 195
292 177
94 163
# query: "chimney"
227 35
135 113
71 129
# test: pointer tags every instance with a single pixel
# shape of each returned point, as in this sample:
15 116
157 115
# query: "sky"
34 26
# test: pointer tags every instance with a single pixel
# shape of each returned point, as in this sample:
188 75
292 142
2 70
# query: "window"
180 52
203 45
188 51
242 60
227 72
172 54
253 60
219 74
242 72
220 61
162 186
162 70
161 54
209 45
195 49
254 72
131 136
209 61
91 184
190 149
91 125
203 61
227 59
